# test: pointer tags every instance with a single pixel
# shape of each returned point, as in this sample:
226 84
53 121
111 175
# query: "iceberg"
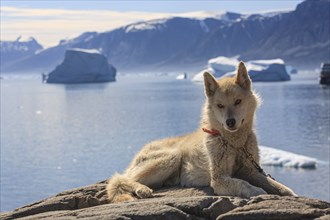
275 157
273 70
181 76
199 78
83 66
222 65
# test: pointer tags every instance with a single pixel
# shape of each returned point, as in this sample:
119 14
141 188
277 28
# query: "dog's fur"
201 159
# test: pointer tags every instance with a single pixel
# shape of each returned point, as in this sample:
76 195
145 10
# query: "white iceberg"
181 76
199 78
222 65
82 66
275 157
266 62
259 70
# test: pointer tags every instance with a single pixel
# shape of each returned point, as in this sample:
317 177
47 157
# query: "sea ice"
275 157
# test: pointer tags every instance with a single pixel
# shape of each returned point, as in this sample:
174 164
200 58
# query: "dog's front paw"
143 192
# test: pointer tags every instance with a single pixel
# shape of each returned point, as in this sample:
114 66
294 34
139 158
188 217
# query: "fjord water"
57 137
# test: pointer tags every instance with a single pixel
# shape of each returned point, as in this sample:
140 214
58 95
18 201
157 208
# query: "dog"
223 153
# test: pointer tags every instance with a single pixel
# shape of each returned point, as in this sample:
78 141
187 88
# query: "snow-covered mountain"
299 37
13 51
302 38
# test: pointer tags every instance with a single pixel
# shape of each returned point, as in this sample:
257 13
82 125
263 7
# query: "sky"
51 21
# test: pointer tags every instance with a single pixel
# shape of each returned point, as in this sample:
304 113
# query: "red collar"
212 132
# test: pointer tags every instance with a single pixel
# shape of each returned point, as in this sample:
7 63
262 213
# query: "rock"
83 66
90 202
276 207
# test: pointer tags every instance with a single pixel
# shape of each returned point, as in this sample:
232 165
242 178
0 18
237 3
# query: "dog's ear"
242 77
210 84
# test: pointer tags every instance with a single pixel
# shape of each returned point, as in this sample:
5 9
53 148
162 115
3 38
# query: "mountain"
144 45
14 51
299 37
47 59
302 38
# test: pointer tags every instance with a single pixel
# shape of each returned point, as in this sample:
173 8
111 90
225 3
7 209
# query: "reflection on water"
87 86
57 137
295 117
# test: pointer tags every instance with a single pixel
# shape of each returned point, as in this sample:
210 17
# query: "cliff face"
171 203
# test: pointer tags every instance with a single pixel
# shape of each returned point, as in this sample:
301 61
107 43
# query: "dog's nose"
231 122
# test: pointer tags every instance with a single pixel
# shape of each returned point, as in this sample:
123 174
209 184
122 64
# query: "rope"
249 156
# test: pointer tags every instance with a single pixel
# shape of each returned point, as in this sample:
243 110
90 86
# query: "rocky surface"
170 203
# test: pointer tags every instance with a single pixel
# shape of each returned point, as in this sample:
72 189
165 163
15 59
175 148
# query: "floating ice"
83 66
199 78
222 65
259 70
275 157
182 76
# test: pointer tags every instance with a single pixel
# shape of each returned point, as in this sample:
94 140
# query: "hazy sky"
51 21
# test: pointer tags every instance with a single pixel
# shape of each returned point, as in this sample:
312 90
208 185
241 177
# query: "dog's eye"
238 101
220 106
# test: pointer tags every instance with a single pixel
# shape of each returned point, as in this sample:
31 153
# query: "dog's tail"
121 188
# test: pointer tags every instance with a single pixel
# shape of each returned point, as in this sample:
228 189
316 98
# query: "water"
57 137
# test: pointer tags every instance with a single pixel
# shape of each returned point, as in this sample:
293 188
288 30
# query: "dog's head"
231 100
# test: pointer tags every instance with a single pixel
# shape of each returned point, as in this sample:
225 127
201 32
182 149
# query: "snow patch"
148 25
265 14
91 51
200 15
275 157
196 15
226 17
204 26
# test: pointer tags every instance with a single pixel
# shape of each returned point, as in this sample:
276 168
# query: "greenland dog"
224 156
